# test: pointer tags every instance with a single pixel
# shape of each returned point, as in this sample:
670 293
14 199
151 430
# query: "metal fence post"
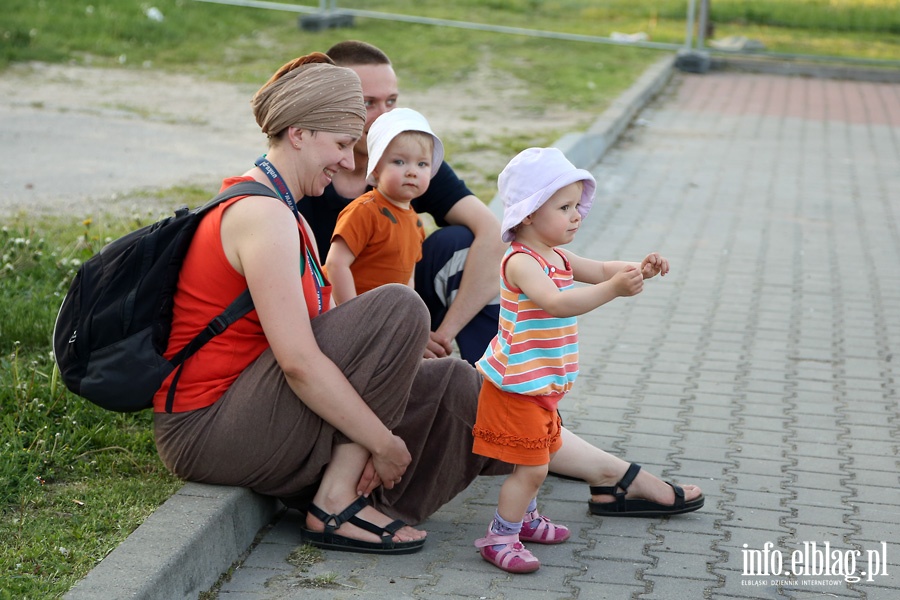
703 24
687 58
689 28
325 17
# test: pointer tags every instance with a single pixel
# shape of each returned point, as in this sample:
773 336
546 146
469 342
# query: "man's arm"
480 283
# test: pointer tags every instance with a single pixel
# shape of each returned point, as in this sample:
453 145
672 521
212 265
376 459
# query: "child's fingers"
654 264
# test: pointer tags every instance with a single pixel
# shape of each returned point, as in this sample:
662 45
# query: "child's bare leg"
519 489
338 490
577 458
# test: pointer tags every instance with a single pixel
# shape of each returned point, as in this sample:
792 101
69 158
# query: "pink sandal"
538 529
512 557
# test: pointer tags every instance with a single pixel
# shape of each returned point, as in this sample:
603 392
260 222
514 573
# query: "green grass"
76 480
591 17
241 43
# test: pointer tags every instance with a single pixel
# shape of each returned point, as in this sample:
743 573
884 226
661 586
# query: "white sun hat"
531 178
388 126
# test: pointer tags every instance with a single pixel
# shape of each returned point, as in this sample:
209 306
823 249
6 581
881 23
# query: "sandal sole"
544 542
344 544
520 571
644 508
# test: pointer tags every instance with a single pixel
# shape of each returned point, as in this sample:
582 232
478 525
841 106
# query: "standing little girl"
533 360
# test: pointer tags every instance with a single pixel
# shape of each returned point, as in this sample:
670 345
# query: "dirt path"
78 140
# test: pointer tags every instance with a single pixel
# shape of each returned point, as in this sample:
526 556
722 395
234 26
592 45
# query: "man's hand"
438 346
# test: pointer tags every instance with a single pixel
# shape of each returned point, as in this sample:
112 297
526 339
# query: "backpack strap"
239 307
243 188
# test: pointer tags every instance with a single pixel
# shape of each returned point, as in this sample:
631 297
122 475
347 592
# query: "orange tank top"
207 284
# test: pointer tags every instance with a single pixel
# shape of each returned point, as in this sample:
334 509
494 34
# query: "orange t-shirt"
386 240
207 284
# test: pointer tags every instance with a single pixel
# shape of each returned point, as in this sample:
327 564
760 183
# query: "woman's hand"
390 464
368 480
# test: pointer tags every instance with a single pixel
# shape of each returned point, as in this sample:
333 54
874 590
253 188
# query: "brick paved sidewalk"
763 368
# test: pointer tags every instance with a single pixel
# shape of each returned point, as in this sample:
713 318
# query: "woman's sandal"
330 540
638 507
539 529
510 554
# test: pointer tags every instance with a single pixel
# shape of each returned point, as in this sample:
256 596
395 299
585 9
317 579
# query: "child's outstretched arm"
337 265
587 270
524 272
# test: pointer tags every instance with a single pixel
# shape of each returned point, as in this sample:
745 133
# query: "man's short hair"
355 52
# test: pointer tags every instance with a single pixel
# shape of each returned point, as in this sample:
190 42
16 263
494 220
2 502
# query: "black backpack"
114 323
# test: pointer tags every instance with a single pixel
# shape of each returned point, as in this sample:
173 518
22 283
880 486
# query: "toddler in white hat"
533 361
378 237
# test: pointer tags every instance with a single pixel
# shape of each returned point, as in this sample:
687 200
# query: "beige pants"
259 435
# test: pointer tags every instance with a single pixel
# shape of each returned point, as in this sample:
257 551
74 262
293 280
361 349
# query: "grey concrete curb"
182 548
586 149
196 535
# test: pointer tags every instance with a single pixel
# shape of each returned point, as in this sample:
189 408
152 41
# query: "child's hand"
627 282
653 265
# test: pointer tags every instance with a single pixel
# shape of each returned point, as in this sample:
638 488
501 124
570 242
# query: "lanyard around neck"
278 181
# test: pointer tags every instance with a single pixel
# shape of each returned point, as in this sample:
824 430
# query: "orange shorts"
514 430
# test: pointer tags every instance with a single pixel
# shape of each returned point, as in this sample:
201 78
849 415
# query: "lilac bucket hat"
391 124
531 178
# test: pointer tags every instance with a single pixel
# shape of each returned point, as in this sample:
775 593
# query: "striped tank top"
533 353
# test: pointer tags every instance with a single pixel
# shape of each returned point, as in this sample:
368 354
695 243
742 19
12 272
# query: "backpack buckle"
218 325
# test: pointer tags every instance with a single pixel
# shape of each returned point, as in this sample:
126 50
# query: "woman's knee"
390 311
403 302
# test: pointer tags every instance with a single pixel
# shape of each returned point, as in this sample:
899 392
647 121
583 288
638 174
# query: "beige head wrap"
312 93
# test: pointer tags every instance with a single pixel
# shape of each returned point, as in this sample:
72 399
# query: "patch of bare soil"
76 140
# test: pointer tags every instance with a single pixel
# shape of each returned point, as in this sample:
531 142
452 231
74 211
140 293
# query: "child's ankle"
501 526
